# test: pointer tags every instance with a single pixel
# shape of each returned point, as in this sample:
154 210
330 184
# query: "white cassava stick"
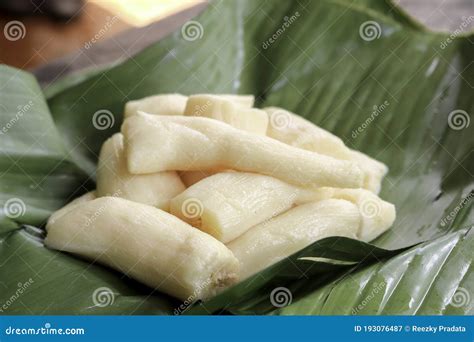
147 244
158 143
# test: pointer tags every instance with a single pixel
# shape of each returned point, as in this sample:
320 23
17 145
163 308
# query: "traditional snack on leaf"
283 235
147 244
296 131
165 104
113 178
229 110
158 143
265 182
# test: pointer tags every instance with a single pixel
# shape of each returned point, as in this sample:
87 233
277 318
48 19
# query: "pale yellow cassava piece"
296 131
195 143
228 110
235 110
113 178
166 104
227 204
377 215
273 240
147 244
71 205
230 203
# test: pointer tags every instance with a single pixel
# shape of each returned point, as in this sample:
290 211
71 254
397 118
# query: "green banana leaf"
403 285
323 66
302 272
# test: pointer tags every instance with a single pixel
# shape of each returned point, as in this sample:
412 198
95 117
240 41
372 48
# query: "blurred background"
80 33
48 29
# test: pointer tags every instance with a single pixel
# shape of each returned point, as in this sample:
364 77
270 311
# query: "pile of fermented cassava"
197 193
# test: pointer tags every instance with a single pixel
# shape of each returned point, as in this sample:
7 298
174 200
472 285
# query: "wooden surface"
46 39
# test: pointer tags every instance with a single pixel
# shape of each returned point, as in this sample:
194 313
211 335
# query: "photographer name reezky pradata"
410 328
